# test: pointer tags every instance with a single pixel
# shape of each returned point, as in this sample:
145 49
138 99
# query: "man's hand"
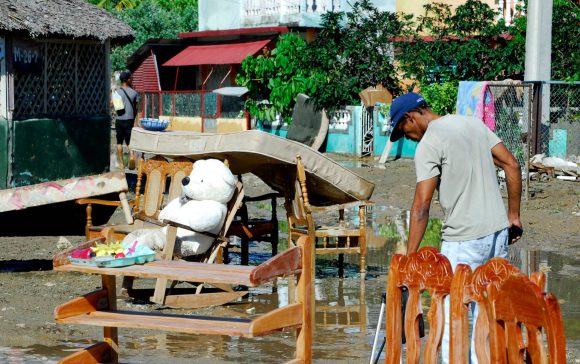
515 231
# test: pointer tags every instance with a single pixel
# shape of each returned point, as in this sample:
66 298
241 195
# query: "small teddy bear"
202 206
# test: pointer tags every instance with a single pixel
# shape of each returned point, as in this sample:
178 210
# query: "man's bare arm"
505 160
420 212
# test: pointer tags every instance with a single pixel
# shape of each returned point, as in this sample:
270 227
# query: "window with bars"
69 79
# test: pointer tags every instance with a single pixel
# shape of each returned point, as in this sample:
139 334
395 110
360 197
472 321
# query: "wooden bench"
98 308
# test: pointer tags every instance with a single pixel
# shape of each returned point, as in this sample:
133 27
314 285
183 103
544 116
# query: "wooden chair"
337 239
257 229
424 270
212 255
507 300
155 172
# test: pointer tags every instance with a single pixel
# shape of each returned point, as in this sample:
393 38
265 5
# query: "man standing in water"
456 156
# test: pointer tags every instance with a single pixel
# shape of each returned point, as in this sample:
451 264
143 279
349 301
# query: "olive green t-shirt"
458 149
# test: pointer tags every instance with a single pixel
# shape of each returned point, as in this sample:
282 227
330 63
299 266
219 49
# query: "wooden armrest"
86 201
283 264
340 206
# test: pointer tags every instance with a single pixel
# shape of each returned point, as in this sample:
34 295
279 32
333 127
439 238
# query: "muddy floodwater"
347 309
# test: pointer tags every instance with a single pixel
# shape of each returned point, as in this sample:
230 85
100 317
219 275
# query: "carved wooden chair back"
470 286
494 285
425 270
156 171
518 303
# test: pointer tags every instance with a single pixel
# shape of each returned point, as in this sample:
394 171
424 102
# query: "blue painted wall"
403 148
349 141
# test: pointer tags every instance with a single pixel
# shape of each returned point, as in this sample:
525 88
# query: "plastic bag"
118 103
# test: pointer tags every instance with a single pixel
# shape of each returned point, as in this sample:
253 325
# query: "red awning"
231 53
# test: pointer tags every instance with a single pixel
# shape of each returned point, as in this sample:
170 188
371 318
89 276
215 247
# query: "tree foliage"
114 4
351 52
354 51
150 19
468 44
277 76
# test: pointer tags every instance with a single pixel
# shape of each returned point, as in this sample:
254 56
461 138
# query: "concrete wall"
231 14
218 15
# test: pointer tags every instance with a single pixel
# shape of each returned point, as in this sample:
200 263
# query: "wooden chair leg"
245 251
161 285
127 286
340 265
275 239
110 334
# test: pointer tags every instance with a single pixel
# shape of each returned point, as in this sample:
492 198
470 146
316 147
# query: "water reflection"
346 309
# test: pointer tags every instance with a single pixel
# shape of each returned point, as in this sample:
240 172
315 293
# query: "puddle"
347 309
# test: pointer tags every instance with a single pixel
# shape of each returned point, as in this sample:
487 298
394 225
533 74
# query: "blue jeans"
473 253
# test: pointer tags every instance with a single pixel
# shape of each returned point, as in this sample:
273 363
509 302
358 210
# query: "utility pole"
538 41
538 65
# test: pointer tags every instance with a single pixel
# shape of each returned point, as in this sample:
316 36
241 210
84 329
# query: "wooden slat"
167 253
335 231
284 264
202 300
97 353
182 271
289 316
336 250
175 323
94 301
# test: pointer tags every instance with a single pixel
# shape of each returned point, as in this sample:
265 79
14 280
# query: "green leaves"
277 78
150 19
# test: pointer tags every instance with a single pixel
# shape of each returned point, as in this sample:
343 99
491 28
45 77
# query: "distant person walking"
126 118
456 155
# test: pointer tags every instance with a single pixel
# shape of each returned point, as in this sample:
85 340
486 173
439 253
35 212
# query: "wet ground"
347 309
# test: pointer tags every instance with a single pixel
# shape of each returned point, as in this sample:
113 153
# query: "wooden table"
98 308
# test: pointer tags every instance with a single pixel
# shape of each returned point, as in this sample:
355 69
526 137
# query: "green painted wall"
3 153
52 149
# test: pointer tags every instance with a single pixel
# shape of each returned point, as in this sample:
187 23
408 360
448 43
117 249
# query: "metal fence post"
536 117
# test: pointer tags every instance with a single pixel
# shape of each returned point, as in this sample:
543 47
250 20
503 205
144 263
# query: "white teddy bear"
202 206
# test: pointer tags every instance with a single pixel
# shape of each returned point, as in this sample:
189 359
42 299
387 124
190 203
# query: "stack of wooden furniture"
154 174
98 308
513 312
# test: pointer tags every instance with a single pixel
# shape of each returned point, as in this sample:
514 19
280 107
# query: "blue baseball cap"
399 107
